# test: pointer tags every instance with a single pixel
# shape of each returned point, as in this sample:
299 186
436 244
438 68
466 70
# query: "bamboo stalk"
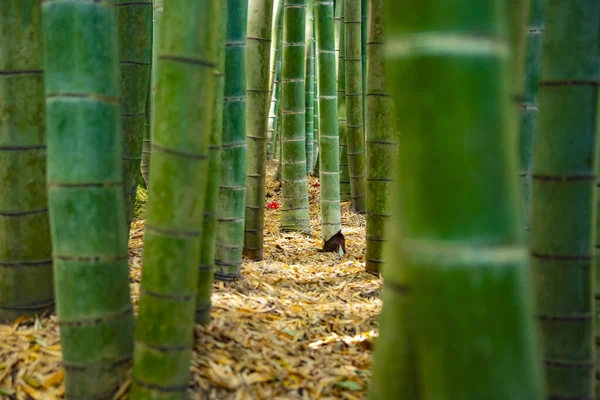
529 105
135 49
178 185
232 182
457 278
354 104
272 124
209 225
309 87
85 194
563 207
260 23
341 94
382 141
329 164
25 247
294 189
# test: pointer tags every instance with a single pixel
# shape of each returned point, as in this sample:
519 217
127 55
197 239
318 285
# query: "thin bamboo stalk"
294 189
177 199
563 207
85 194
329 164
209 225
272 125
135 49
25 247
309 87
529 105
232 181
260 23
341 94
457 279
354 104
382 143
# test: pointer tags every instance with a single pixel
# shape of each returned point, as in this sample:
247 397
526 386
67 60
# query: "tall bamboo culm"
329 168
157 11
86 202
309 87
260 24
273 107
530 104
294 188
355 139
135 53
364 32
341 94
177 198
232 182
381 142
209 225
25 247
453 256
275 67
563 206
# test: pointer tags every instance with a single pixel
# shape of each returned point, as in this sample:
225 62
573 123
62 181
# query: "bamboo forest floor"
298 325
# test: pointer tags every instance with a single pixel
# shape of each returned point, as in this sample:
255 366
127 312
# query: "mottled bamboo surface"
299 325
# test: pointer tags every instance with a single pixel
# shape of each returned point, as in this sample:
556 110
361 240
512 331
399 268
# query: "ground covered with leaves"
299 325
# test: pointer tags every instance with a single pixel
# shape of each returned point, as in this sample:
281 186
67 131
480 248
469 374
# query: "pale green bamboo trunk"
178 181
260 23
85 195
381 143
275 67
563 207
363 47
25 247
135 53
146 150
232 182
457 317
329 164
309 87
355 139
209 225
530 104
341 94
294 189
272 124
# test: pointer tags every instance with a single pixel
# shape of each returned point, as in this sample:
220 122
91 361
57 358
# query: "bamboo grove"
466 132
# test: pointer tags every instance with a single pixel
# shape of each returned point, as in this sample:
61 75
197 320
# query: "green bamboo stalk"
272 124
232 181
278 136
329 164
178 184
309 87
294 188
382 143
354 104
275 55
275 67
341 94
316 109
562 236
25 246
86 201
135 53
147 142
363 48
260 23
529 104
457 278
146 150
209 225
